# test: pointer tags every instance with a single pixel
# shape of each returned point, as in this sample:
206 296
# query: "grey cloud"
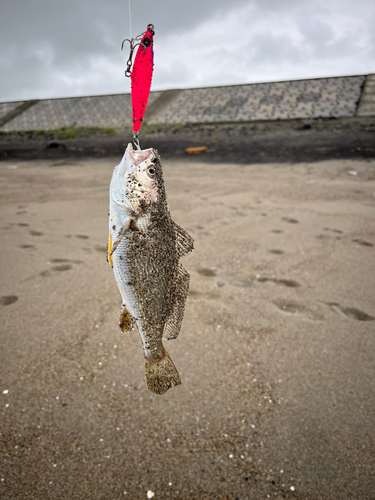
73 20
272 48
317 34
52 48
175 75
77 32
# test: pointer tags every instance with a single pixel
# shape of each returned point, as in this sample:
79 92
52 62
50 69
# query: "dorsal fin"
184 241
172 325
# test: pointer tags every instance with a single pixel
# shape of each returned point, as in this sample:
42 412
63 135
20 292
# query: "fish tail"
161 374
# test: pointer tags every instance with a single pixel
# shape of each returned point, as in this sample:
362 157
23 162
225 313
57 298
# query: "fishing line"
130 21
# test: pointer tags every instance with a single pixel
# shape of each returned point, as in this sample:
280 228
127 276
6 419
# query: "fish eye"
151 172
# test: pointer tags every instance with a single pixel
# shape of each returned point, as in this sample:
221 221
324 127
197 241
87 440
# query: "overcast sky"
59 48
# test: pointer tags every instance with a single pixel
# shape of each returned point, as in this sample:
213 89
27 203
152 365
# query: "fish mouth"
138 156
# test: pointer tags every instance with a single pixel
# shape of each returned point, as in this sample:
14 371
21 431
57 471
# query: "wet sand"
276 351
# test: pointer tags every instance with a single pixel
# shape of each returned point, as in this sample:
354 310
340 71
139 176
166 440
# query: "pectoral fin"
121 233
109 251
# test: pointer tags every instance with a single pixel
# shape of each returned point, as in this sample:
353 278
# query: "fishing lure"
140 75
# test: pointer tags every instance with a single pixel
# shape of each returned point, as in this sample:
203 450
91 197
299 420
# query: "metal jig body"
140 73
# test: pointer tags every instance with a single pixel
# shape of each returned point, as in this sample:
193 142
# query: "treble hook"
129 62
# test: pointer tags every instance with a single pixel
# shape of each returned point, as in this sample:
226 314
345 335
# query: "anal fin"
179 293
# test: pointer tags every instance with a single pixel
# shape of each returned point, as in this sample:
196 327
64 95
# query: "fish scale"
122 272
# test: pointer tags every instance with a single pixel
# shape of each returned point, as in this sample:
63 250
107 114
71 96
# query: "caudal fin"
161 374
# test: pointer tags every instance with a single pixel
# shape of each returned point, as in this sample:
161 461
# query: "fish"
144 249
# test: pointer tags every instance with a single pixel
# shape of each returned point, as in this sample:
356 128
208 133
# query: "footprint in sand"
206 272
6 300
362 243
333 230
80 236
101 249
290 220
235 280
324 236
63 264
60 261
62 267
290 307
277 231
23 224
350 312
35 233
27 246
288 283
275 251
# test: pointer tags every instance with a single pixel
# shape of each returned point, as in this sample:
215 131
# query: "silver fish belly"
144 249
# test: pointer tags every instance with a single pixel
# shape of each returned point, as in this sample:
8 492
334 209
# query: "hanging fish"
141 75
144 249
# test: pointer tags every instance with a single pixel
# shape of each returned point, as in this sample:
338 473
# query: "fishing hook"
129 62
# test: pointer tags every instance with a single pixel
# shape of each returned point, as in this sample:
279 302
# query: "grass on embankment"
76 132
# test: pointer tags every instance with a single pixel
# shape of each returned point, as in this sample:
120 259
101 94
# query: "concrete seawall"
255 121
315 98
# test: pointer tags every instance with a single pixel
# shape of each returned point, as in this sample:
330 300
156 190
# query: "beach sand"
276 352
